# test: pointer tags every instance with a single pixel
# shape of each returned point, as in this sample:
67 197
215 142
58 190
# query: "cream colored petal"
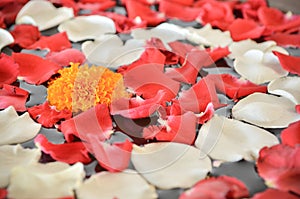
259 67
87 27
109 51
265 110
169 165
43 14
127 184
51 180
16 129
5 38
232 140
287 87
12 156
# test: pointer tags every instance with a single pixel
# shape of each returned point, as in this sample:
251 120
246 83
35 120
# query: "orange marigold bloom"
79 88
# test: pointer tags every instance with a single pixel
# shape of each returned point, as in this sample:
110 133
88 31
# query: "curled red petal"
289 63
274 193
64 57
13 96
207 114
284 39
68 152
241 29
217 187
47 115
34 69
291 135
218 53
56 42
25 35
9 70
69 130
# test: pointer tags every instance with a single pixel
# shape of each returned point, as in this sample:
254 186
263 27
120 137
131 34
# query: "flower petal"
12 156
274 193
286 40
231 140
25 35
64 57
13 96
291 135
45 180
5 38
34 69
265 110
217 187
289 63
241 29
168 165
68 152
112 185
43 14
93 26
9 70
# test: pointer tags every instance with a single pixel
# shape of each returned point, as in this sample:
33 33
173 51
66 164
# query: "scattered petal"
231 140
274 193
51 180
64 57
25 35
12 156
3 193
43 14
9 70
217 187
266 111
13 96
259 67
241 29
168 165
289 63
286 40
116 185
5 38
207 114
93 26
291 135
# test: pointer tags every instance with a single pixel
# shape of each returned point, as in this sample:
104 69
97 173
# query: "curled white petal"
43 14
51 180
5 38
209 36
12 156
16 129
287 87
126 184
265 110
232 140
109 51
170 165
258 66
87 27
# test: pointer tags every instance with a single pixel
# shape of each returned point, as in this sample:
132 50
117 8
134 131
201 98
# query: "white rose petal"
258 66
43 14
266 111
51 180
87 27
16 129
12 156
126 184
170 165
109 51
232 140
287 87
5 38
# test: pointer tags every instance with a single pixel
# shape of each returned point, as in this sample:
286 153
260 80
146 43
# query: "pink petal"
34 69
13 96
274 193
47 116
242 29
216 188
291 135
284 39
96 6
56 42
25 35
64 57
289 63
9 70
207 114
68 128
69 152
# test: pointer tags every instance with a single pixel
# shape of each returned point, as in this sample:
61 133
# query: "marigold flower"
79 88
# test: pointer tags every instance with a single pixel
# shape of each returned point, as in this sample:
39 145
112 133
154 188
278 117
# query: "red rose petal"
3 193
68 152
249 8
291 135
96 6
298 108
274 193
289 63
218 53
10 9
13 96
9 70
56 42
270 16
34 69
216 188
242 29
64 57
207 114
68 128
47 116
113 157
25 35
286 40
